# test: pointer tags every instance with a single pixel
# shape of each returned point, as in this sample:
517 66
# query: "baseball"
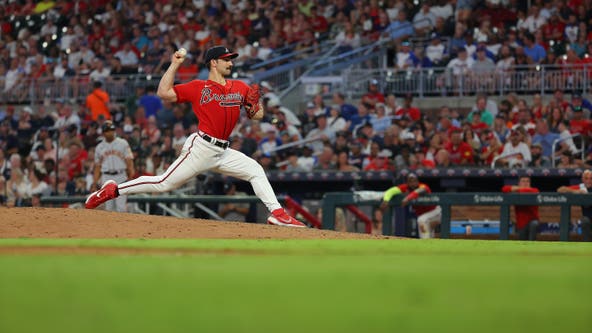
182 52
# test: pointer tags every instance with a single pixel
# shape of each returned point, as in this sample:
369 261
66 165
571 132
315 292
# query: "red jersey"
583 126
217 107
419 210
462 152
411 112
524 214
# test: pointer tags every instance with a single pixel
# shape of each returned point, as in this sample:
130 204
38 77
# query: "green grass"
299 286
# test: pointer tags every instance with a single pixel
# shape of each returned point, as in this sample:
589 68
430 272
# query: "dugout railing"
447 200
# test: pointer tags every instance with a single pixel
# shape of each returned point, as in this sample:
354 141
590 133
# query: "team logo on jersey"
225 100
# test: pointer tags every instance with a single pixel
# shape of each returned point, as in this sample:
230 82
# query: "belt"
217 142
111 173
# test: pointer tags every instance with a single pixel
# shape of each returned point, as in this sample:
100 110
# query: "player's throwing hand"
179 56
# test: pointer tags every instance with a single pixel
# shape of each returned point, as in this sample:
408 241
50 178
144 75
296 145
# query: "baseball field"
66 270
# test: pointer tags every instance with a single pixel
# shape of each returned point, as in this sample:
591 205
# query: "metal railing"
443 81
580 150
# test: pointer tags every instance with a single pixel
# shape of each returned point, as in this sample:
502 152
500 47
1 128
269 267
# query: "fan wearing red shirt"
578 123
527 217
409 110
373 95
460 152
428 217
217 104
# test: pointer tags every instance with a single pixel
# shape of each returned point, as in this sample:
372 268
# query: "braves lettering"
224 99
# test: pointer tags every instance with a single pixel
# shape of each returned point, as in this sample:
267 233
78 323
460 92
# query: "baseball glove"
252 98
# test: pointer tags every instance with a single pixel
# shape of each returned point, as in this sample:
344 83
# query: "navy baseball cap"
108 126
218 52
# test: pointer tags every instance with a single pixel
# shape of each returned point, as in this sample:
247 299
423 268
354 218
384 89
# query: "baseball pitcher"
217 103
113 162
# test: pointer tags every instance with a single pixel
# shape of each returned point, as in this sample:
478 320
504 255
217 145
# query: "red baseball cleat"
280 217
107 192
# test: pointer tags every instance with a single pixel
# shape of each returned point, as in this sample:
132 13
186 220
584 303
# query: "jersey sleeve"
128 151
528 190
187 92
390 193
426 189
98 153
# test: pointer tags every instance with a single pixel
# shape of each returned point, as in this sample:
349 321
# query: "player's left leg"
236 164
428 221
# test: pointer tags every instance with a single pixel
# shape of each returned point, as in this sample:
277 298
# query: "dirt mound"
82 223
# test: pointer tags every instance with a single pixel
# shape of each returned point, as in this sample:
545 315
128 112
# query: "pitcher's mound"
83 223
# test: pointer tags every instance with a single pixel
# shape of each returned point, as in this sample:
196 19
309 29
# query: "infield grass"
298 286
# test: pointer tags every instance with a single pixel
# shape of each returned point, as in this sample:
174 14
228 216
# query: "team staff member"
428 217
527 217
217 104
113 162
583 188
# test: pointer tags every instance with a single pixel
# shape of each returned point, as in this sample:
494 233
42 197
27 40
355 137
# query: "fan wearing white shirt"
516 146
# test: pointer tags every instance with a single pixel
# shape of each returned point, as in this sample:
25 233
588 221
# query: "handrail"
502 156
423 81
582 150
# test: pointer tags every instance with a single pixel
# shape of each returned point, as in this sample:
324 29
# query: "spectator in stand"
400 29
152 104
99 72
373 95
381 162
585 187
270 141
578 101
482 70
527 217
405 58
516 150
348 39
524 120
578 123
66 116
458 67
459 152
347 110
436 51
533 50
538 159
534 21
568 161
335 121
424 20
491 148
97 102
408 109
481 107
127 55
428 217
476 124
544 137
151 131
326 160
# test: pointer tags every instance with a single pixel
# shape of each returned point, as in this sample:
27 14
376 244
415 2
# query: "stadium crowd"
49 148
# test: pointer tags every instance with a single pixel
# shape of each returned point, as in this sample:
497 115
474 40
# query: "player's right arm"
388 195
165 86
571 189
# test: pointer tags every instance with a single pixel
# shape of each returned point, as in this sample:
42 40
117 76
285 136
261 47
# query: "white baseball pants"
427 221
118 204
198 156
